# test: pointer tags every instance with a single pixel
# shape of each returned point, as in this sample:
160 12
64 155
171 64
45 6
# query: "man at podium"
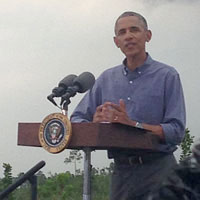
140 92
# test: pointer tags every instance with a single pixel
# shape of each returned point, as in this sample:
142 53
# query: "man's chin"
131 54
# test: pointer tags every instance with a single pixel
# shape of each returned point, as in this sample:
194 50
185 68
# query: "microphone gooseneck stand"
73 84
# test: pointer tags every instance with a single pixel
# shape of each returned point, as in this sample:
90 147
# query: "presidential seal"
55 132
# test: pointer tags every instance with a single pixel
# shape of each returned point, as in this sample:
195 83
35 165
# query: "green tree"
7 179
61 186
100 183
74 157
40 177
186 145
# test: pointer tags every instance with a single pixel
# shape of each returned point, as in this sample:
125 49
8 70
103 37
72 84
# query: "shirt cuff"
171 135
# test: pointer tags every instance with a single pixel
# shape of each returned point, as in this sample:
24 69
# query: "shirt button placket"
129 98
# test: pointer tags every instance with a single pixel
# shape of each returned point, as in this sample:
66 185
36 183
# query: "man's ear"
148 35
116 41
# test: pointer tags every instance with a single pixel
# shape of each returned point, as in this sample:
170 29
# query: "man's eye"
121 32
134 29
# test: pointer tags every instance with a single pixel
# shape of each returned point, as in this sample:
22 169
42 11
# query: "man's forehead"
128 21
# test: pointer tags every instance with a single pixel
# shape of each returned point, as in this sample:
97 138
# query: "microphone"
81 84
62 87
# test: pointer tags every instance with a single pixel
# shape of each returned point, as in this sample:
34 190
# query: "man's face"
131 36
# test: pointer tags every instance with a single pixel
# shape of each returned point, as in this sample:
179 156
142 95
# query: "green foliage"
186 145
22 193
66 186
61 186
100 182
100 187
7 179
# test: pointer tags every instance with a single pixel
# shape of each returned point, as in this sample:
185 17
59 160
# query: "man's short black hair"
130 13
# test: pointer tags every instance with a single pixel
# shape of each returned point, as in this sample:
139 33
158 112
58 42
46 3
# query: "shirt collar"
141 69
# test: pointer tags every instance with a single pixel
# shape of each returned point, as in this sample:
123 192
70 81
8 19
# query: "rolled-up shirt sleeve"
83 112
87 106
174 119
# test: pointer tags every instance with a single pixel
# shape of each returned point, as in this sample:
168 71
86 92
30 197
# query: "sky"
42 41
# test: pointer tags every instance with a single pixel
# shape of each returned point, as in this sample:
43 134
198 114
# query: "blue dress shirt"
152 93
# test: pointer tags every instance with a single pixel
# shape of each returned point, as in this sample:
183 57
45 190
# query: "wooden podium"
94 136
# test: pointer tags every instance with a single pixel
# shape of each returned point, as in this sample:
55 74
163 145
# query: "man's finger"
121 107
122 104
99 108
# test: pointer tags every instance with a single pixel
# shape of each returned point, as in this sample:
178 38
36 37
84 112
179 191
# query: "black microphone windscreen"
67 81
84 81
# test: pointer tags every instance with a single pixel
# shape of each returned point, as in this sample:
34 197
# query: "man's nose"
128 35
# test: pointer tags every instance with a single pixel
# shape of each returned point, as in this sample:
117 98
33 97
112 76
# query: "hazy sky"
42 41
